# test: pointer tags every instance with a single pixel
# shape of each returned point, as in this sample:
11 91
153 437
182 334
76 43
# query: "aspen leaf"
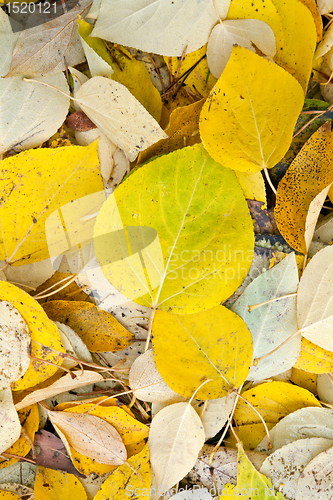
98 58
54 484
160 27
285 466
126 480
41 49
213 344
316 478
273 323
304 379
66 383
314 359
146 382
119 115
45 340
313 214
10 427
303 423
91 436
98 329
15 345
306 177
175 439
253 186
44 110
273 400
31 275
313 7
247 33
314 309
191 263
51 180
216 413
242 125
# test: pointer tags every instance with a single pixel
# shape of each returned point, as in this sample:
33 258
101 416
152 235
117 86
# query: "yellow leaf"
312 6
98 329
314 359
249 434
304 379
253 186
125 483
54 484
29 418
248 119
306 177
48 180
45 339
273 400
183 130
200 80
70 292
214 344
9 495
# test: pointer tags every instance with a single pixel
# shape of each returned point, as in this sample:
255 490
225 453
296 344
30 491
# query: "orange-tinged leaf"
90 436
309 173
248 119
314 359
98 329
312 6
54 484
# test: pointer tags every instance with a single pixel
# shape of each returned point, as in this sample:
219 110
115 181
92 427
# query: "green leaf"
176 235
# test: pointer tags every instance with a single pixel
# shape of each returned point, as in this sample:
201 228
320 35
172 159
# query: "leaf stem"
256 361
254 306
269 180
30 80
150 327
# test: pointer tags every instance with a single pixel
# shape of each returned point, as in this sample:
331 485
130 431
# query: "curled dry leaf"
66 383
15 345
119 115
91 436
10 427
176 436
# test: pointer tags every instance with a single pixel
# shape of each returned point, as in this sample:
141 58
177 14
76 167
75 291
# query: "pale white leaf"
44 47
317 478
106 149
248 33
10 427
159 26
303 423
313 214
147 383
314 300
119 115
30 113
272 323
325 387
8 40
216 413
14 345
66 383
324 230
94 10
196 494
176 436
97 65
78 80
20 472
325 6
29 275
285 466
76 344
91 436
325 45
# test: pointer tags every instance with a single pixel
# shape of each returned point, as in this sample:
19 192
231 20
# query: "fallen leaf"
271 324
314 359
18 489
79 121
8 39
19 472
10 427
74 345
191 188
9 495
113 108
215 413
97 56
316 478
253 186
162 27
247 82
175 439
98 329
214 344
304 379
42 46
325 387
53 484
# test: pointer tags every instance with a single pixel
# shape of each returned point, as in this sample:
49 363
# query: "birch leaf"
10 427
15 345
286 465
247 33
192 264
161 27
51 180
147 384
306 177
119 115
273 323
176 436
54 484
214 344
91 436
316 478
41 48
44 111
248 119
314 305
